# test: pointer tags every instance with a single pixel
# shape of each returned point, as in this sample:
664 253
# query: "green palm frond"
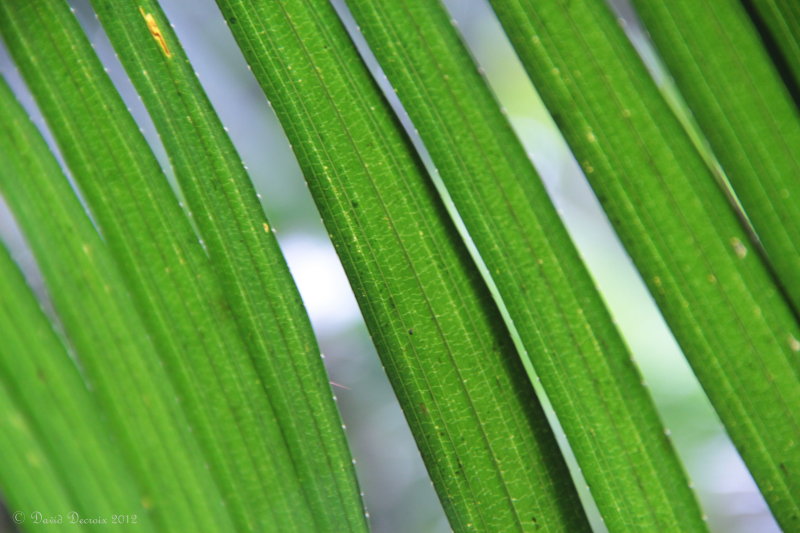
167 376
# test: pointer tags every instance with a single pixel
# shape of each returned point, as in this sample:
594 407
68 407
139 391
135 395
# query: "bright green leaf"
730 319
246 257
745 111
58 459
779 23
584 367
99 319
173 285
484 438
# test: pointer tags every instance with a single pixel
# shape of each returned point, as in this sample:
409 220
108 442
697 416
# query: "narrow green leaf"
173 286
29 478
99 319
245 254
584 366
746 112
490 453
58 459
779 23
733 324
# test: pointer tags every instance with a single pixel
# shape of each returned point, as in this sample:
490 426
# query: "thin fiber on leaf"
164 265
487 445
584 366
732 322
245 255
746 112
112 345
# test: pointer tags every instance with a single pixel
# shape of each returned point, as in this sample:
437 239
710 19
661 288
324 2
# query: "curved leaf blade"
574 347
57 455
745 111
731 321
484 438
779 23
246 258
165 267
99 319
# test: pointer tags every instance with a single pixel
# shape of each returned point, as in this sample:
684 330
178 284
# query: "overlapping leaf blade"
745 111
57 447
482 434
779 23
583 365
245 256
57 454
221 326
99 319
173 286
30 476
720 301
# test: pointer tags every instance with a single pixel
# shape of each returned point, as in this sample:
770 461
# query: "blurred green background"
398 494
